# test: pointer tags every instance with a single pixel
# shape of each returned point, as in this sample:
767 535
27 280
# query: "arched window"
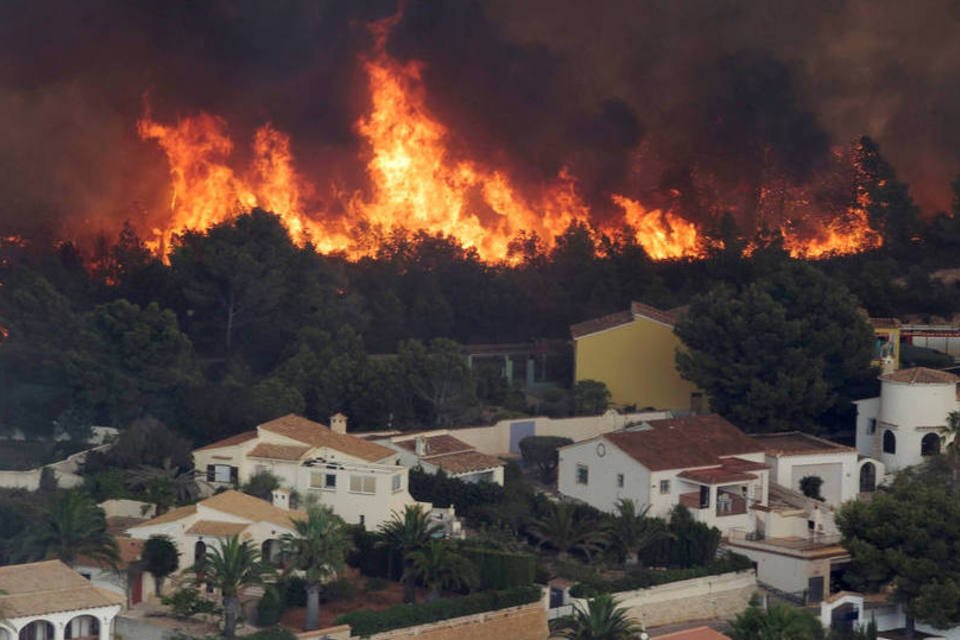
199 553
37 630
868 477
889 442
83 628
930 445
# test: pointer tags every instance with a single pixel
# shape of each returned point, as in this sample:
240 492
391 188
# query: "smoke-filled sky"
631 96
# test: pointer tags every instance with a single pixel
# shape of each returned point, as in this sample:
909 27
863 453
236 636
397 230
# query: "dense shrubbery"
502 569
644 578
690 543
364 623
443 491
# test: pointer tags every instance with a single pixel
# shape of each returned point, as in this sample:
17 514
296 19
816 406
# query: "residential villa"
702 462
434 452
633 352
196 528
362 481
904 424
50 601
126 578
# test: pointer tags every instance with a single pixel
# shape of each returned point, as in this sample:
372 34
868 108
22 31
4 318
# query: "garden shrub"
502 569
270 607
645 578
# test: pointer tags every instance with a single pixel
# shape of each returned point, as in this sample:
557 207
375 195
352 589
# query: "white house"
362 481
847 610
50 601
793 456
439 451
903 425
127 579
197 527
702 462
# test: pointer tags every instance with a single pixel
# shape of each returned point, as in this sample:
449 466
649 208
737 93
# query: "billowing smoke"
707 102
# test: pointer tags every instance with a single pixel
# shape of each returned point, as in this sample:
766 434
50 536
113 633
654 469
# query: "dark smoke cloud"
636 97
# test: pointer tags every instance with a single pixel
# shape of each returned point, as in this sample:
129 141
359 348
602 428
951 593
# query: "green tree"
165 485
590 397
160 558
319 549
564 528
632 531
72 526
541 452
262 485
951 432
777 622
600 619
776 353
405 534
438 566
440 377
230 567
810 487
906 538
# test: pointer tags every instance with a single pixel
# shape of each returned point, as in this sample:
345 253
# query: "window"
664 487
930 445
363 484
889 442
704 497
321 480
363 520
221 473
872 426
620 480
397 482
330 481
583 474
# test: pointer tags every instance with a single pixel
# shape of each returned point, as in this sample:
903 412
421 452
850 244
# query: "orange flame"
416 185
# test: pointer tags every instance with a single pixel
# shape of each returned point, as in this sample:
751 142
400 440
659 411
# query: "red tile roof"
794 443
278 451
683 443
667 317
717 475
739 464
599 324
465 462
317 435
921 375
232 440
436 445
697 633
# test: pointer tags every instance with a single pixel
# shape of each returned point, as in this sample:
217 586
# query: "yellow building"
887 340
633 353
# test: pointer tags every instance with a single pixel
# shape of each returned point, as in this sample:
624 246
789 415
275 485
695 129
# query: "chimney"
281 498
420 446
889 366
338 423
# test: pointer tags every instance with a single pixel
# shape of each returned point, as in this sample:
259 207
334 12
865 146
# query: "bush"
188 602
371 559
810 486
645 578
691 543
270 607
341 589
541 452
262 485
443 491
502 569
292 591
376 584
365 623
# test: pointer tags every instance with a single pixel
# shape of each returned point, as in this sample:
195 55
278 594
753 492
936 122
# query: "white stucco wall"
911 411
602 490
60 620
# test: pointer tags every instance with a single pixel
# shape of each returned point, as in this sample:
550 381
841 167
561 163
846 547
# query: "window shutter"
234 474
211 473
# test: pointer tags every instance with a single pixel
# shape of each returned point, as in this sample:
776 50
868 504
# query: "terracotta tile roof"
129 548
250 508
697 633
921 375
465 462
645 310
170 516
794 443
599 324
437 445
216 529
682 443
739 464
232 440
40 588
278 451
317 435
716 475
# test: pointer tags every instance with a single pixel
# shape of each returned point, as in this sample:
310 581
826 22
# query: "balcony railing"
730 504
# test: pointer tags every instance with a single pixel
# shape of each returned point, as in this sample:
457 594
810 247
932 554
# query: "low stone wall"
340 632
527 622
721 596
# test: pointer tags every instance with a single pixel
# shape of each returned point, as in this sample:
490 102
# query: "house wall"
867 409
601 490
375 508
839 471
528 622
906 409
59 620
784 572
637 363
722 596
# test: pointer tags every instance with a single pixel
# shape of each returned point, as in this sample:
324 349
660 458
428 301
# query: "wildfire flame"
416 184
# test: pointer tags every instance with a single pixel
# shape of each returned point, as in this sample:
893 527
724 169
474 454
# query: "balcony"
691 500
730 504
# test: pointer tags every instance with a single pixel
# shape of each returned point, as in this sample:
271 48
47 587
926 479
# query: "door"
519 431
136 593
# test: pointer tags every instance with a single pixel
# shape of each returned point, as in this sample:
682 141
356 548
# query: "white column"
58 632
105 632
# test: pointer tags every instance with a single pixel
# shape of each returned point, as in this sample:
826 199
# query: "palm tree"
565 531
632 531
404 534
318 548
777 622
163 486
601 619
73 525
438 567
230 567
952 432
